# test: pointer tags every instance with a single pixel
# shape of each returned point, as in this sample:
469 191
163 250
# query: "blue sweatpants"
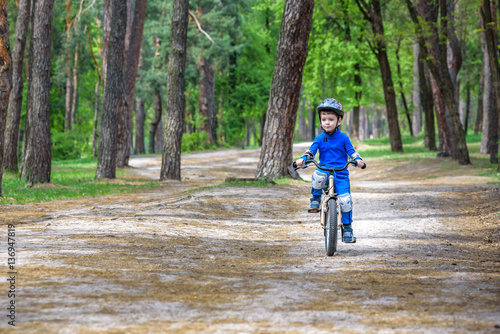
342 186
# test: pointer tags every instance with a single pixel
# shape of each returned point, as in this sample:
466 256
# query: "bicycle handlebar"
308 162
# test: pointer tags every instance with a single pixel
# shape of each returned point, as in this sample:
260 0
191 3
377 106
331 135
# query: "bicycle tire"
331 228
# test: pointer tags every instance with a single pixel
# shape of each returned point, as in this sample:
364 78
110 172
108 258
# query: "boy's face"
329 121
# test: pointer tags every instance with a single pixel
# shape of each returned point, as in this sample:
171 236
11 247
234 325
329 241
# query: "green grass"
69 179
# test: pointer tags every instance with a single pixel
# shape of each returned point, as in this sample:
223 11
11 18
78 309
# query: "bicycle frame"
330 194
327 222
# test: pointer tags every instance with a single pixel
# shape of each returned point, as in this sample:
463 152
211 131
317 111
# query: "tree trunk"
106 31
5 77
140 116
113 92
446 87
10 157
121 144
416 99
446 143
139 126
206 99
479 114
29 75
131 68
159 137
158 97
444 132
276 153
427 104
488 15
488 99
467 109
174 122
403 98
69 77
157 120
439 68
373 13
69 99
36 165
128 31
75 90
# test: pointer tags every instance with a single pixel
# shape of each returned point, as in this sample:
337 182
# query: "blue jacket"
334 150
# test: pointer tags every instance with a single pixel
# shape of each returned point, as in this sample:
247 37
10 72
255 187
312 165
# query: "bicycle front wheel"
331 228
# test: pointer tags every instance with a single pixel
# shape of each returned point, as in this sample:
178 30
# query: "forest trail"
186 258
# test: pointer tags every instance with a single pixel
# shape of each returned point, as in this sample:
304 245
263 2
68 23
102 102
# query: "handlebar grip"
294 165
364 166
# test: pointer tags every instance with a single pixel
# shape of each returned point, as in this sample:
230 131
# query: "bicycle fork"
324 202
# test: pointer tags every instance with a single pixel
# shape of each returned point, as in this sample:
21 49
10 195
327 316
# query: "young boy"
334 150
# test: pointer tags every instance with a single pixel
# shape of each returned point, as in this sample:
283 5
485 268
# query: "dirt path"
251 259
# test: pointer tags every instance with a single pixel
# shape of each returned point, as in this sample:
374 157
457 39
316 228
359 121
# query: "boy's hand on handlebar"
299 162
360 163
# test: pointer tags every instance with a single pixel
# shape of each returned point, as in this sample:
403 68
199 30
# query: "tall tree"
443 77
174 124
479 113
113 91
427 104
276 152
140 114
402 92
373 13
206 84
488 97
416 98
10 160
206 99
158 98
69 77
430 12
490 27
155 124
37 157
5 76
131 66
106 31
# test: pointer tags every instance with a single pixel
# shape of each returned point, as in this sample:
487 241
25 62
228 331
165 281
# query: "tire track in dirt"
251 259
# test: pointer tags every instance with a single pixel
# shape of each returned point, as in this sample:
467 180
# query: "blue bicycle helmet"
331 104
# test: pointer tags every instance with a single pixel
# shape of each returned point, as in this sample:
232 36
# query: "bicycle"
330 207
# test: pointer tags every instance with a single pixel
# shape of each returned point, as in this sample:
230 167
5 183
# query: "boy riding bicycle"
334 149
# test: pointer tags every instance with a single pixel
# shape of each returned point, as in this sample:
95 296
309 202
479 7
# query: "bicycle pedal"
313 210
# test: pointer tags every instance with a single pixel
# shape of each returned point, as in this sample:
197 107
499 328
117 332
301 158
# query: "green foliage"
195 142
70 145
64 146
245 35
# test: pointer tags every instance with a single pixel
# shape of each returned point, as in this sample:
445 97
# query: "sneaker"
347 234
314 207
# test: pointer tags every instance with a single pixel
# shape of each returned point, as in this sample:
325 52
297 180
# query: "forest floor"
194 257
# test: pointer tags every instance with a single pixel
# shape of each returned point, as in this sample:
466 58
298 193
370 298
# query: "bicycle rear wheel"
331 228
